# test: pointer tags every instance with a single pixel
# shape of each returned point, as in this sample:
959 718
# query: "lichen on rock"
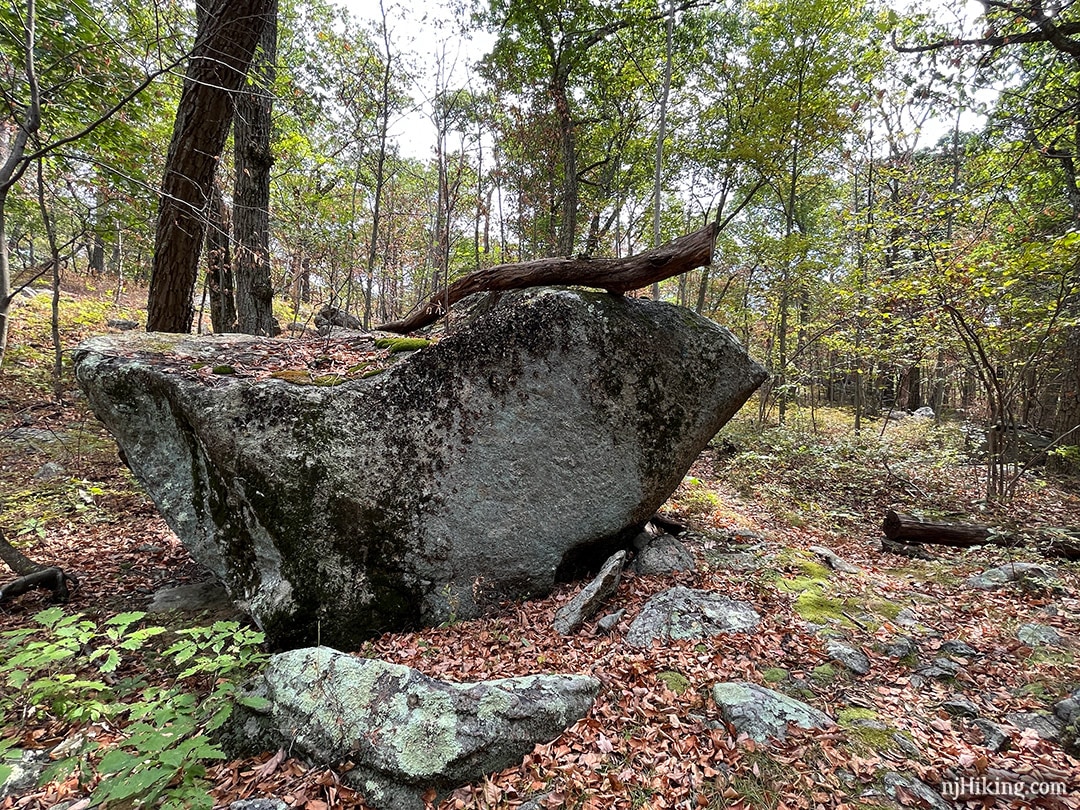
525 446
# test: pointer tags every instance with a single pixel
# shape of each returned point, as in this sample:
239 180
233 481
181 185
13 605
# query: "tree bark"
224 46
251 194
614 275
219 265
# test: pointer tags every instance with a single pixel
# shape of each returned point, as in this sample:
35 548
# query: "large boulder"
404 732
535 440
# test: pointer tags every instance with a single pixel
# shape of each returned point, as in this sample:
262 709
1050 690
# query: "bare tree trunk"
251 194
219 273
224 46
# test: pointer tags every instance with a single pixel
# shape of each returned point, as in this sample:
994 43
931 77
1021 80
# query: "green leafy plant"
70 667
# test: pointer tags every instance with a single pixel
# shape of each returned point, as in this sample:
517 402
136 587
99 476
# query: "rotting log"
905 533
614 275
903 528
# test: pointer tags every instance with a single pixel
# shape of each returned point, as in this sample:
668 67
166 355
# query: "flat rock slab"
999 577
686 613
762 713
473 471
403 731
571 616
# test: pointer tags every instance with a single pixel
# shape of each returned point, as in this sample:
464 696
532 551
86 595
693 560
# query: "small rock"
898 647
258 804
960 706
848 656
611 621
733 561
834 562
207 595
761 713
536 803
1068 712
954 646
926 795
925 412
25 772
664 555
939 668
571 616
686 613
49 471
1035 635
1045 725
994 578
994 736
906 618
906 746
123 324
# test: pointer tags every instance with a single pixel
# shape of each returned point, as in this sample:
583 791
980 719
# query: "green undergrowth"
78 672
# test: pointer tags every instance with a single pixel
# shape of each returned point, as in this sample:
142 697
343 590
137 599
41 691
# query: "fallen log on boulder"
904 532
614 275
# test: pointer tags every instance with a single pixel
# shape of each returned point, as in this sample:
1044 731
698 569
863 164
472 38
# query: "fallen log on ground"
905 532
32 575
614 275
903 528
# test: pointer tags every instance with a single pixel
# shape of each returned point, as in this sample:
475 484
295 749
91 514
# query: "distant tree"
251 192
227 35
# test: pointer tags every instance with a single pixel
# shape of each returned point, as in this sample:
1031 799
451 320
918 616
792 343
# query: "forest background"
865 262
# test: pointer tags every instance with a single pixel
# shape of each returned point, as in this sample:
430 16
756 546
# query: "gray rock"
959 648
468 473
258 804
898 647
925 412
1068 712
960 706
994 578
1036 635
571 616
123 324
49 471
906 618
686 613
25 772
833 561
994 736
663 555
611 621
939 668
848 656
733 561
926 795
404 732
762 713
1045 725
207 595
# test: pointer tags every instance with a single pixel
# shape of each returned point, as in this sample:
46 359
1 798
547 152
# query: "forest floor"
654 737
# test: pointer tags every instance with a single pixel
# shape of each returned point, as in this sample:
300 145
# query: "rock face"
687 613
404 732
540 435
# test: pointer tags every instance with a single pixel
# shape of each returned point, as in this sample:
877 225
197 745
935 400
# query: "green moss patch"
824 673
675 681
774 675
404 344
